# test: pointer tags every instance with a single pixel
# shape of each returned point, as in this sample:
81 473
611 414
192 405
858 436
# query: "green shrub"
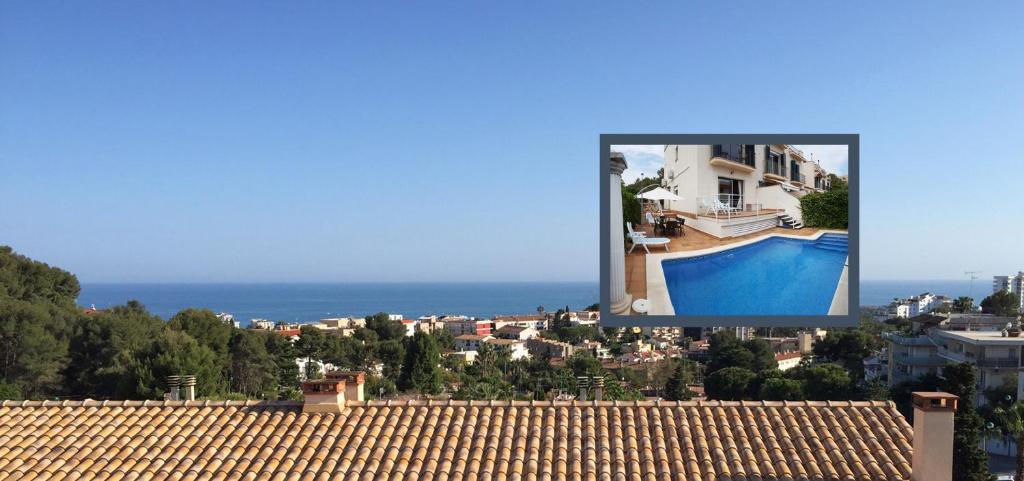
631 210
828 209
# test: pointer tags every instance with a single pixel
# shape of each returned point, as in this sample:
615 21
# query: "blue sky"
190 141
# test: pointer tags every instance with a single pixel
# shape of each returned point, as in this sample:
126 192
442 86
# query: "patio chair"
723 207
682 224
671 225
640 238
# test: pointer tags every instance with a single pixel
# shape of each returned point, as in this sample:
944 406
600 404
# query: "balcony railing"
727 206
775 169
999 362
910 340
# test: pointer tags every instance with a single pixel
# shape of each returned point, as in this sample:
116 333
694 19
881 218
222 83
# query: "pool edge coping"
659 302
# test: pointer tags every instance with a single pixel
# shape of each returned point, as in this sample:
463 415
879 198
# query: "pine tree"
421 369
970 462
676 388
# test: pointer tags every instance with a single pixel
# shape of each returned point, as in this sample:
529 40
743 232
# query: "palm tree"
1011 422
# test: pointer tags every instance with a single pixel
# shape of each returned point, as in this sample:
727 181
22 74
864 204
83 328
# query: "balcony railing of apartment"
727 206
1007 362
910 340
775 169
738 153
919 360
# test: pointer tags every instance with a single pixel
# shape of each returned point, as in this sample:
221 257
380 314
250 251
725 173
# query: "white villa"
733 189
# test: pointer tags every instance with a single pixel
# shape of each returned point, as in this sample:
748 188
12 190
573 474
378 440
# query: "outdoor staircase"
833 242
789 222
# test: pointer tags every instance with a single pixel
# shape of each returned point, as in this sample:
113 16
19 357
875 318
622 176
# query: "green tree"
1001 303
963 304
847 348
677 388
782 389
174 352
386 329
970 462
9 391
729 384
420 370
253 371
284 353
102 348
204 326
824 382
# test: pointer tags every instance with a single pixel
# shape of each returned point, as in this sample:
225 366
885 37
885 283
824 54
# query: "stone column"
617 277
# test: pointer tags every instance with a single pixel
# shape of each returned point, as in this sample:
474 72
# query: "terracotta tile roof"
454 441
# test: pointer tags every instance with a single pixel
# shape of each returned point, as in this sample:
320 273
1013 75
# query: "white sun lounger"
640 238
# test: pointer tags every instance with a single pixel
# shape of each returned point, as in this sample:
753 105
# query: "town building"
460 326
516 332
264 324
336 434
515 347
911 356
788 360
920 304
469 342
731 190
229 320
1013 284
537 322
549 348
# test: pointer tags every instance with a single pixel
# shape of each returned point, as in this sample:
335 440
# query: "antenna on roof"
974 276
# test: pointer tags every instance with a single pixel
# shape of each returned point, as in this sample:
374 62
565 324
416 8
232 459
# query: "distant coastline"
306 302
882 292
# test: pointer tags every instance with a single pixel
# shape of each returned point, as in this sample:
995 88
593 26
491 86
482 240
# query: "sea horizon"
310 301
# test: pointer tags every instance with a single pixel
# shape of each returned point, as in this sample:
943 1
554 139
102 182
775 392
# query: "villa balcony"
775 174
731 164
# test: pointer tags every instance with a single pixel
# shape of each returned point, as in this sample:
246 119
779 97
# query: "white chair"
640 238
723 207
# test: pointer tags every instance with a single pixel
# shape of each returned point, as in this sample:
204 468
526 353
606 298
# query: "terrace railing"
727 206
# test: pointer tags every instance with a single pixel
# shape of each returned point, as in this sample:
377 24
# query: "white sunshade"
789 187
659 194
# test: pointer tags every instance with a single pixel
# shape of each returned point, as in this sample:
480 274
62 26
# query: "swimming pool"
773 276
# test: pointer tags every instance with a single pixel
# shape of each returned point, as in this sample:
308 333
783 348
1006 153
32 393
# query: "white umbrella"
659 194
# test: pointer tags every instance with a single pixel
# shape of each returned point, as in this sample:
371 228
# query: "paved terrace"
636 262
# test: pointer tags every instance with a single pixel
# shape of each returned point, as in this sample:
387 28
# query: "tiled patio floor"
636 265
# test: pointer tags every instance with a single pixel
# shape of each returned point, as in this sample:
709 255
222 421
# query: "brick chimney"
933 436
329 395
354 382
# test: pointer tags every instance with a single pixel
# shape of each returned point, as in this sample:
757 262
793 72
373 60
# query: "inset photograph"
729 229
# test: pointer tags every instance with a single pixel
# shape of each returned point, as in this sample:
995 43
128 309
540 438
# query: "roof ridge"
147 403
661 403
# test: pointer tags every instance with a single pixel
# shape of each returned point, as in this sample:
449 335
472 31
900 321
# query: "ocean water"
310 302
775 276
880 293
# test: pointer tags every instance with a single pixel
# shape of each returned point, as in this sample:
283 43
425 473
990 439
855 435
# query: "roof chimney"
933 436
188 388
173 382
582 382
354 382
598 388
323 396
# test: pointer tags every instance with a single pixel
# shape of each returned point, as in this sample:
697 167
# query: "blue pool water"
775 276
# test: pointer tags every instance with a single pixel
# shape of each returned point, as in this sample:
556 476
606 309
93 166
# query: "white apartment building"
759 186
1011 284
917 305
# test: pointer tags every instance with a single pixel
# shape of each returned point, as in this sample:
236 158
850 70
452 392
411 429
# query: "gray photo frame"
852 141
